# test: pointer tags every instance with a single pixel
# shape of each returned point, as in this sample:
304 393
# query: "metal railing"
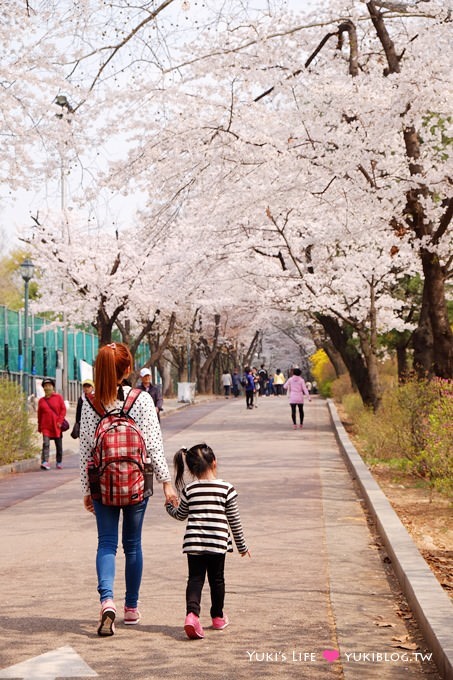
29 382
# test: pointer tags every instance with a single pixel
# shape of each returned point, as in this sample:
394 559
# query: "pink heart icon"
331 654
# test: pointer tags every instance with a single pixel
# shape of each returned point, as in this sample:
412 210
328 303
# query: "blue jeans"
107 519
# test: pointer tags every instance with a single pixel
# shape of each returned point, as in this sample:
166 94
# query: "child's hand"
246 553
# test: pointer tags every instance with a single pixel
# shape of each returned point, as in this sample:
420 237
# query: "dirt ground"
427 516
429 520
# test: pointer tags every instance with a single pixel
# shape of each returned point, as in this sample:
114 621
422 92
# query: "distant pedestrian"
51 415
264 378
113 365
227 382
256 380
87 388
279 381
270 386
146 385
297 389
236 378
210 506
249 384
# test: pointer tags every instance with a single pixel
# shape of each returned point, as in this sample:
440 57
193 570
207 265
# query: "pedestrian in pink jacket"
297 390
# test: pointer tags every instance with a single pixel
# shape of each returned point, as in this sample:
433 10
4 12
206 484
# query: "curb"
430 604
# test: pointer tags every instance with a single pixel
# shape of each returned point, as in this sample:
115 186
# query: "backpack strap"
90 398
131 398
128 404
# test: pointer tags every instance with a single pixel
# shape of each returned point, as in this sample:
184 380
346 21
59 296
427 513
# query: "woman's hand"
170 495
88 503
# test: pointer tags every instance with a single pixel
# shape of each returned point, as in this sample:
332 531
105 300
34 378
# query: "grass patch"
411 432
16 431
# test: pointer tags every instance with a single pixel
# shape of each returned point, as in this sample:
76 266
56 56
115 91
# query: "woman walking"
51 415
297 389
113 365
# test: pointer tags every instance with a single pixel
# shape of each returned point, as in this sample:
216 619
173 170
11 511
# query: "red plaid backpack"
116 470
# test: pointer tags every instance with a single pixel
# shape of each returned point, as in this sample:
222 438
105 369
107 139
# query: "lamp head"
27 269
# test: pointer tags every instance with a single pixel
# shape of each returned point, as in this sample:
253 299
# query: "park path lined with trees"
317 582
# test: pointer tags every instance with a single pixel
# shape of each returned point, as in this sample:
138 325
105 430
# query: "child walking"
210 506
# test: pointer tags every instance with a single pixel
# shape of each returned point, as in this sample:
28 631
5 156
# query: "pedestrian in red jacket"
51 414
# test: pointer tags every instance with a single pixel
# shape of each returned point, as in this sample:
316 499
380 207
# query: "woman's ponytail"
112 362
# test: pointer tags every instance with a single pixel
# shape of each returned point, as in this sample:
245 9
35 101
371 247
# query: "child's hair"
112 362
199 459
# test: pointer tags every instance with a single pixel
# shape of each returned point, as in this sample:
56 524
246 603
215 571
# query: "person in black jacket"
147 386
88 388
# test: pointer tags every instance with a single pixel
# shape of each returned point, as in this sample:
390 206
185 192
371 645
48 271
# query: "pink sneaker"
131 616
108 612
193 627
219 623
301 426
294 426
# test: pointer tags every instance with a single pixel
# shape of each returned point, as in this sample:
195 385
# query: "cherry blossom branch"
393 60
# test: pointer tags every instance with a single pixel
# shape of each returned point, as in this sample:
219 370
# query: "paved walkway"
316 585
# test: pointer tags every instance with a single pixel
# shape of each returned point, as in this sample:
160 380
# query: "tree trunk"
434 326
104 323
335 358
442 360
206 374
341 337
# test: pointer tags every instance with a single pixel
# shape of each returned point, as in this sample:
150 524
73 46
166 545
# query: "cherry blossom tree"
335 184
308 157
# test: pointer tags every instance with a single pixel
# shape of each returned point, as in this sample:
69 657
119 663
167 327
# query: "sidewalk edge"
428 601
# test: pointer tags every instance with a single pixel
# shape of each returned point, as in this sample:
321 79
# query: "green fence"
45 350
45 344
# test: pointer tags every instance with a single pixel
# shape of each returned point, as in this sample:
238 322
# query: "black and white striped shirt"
211 509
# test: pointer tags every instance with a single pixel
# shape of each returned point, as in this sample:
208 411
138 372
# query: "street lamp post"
27 269
62 101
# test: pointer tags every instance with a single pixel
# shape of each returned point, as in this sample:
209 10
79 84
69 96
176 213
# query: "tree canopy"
288 166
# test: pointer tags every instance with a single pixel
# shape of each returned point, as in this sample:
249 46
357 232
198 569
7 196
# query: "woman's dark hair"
296 371
199 459
112 362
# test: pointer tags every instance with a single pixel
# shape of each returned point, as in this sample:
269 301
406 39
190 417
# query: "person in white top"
227 382
113 365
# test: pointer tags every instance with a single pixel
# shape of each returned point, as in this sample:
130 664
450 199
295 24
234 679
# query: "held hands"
170 495
246 553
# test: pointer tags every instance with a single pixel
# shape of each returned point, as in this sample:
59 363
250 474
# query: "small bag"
75 434
65 425
148 474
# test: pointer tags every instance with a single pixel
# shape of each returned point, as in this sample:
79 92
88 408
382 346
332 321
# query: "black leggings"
214 565
46 448
301 412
